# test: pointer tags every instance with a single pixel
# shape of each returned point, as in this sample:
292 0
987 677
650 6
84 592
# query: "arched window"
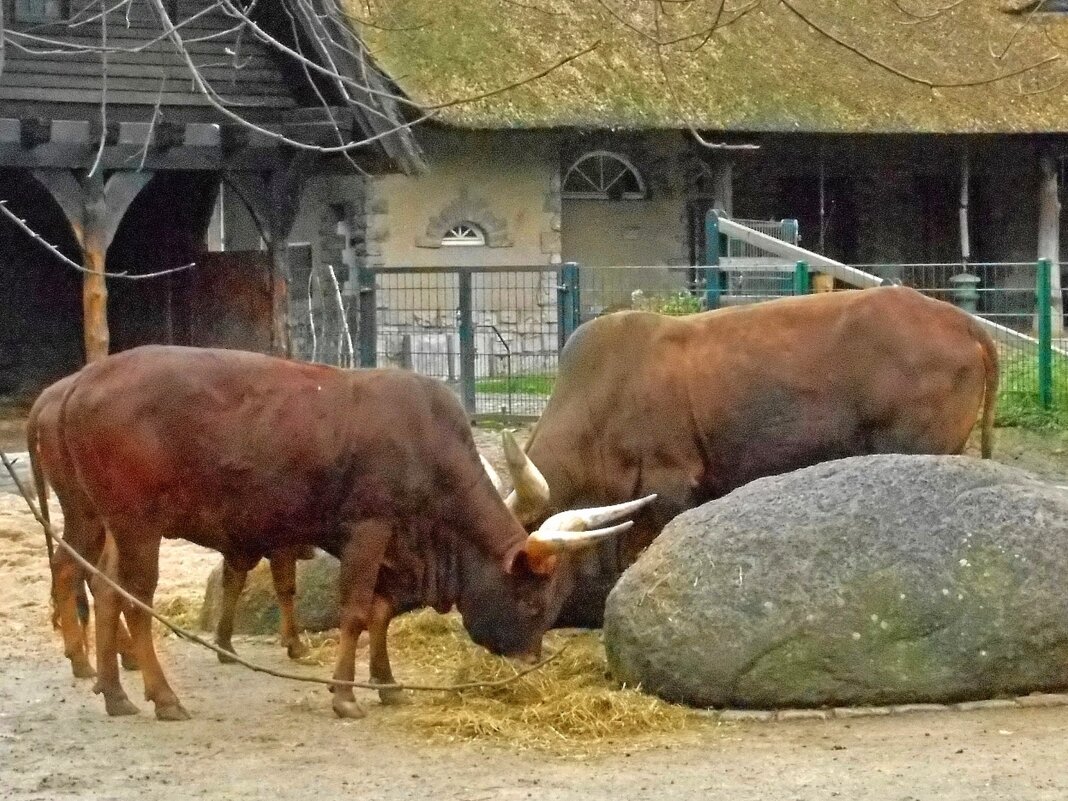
462 234
601 175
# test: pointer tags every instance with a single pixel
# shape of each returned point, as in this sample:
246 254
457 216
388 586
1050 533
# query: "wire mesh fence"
494 334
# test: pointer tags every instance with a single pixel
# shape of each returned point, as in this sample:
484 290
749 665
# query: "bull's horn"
530 498
595 517
557 540
493 477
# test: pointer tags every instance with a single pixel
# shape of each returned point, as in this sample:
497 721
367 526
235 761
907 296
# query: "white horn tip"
570 540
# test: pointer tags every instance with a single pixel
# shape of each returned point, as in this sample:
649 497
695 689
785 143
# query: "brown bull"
691 408
248 454
83 530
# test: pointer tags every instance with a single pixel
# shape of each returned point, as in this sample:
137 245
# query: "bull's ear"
533 558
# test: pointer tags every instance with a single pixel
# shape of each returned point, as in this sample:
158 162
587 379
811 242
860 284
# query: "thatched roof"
767 71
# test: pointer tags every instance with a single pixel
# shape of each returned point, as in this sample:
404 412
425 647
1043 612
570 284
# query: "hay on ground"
569 707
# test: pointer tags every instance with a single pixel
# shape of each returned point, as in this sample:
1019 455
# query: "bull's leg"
138 574
381 672
235 572
284 572
84 533
67 577
72 605
107 604
361 558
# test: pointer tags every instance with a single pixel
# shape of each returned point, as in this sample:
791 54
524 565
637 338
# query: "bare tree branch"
516 84
823 31
917 18
73 264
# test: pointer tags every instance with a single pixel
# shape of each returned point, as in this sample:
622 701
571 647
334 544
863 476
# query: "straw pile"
180 611
569 707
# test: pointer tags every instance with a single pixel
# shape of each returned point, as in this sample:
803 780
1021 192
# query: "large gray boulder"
257 609
870 580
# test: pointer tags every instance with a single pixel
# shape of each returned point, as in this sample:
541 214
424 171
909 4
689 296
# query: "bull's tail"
40 486
990 392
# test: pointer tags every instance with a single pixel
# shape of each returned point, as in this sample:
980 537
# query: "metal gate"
493 334
740 272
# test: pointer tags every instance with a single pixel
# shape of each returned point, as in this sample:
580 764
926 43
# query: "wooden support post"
723 184
94 207
965 194
273 199
1049 225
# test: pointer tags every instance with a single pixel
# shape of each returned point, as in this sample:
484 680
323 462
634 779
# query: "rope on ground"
188 635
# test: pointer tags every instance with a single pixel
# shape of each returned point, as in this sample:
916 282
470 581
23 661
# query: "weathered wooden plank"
145 83
214 73
155 56
147 98
121 157
143 43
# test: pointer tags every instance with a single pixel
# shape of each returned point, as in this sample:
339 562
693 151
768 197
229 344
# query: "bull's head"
510 617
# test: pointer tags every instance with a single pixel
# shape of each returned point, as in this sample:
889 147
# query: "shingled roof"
989 65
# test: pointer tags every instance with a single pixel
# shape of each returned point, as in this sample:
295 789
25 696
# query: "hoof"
173 711
129 662
297 649
352 710
394 697
227 659
82 668
119 707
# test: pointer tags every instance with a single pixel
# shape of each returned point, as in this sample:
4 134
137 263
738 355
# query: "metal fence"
494 333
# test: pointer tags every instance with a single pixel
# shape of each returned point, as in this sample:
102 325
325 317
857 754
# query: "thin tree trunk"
94 242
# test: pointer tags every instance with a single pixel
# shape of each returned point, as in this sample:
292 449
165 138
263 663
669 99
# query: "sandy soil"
254 736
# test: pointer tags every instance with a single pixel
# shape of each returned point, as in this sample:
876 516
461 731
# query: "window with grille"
464 234
602 175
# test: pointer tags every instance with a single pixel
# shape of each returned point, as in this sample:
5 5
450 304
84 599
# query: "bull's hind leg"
67 576
86 536
235 572
107 604
84 533
381 672
138 574
284 574
361 558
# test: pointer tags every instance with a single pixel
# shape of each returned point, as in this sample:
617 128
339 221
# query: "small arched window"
464 234
601 175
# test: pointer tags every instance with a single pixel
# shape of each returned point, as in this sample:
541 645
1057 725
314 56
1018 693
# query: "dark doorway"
40 296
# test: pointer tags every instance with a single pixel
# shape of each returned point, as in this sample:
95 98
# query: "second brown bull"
691 408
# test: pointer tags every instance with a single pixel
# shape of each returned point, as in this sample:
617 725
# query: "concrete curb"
1032 701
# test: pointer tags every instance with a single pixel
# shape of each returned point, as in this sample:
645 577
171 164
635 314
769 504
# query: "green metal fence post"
568 301
789 231
1045 334
711 273
368 325
801 279
467 341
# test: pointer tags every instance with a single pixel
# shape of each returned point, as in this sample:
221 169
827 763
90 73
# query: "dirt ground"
253 736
